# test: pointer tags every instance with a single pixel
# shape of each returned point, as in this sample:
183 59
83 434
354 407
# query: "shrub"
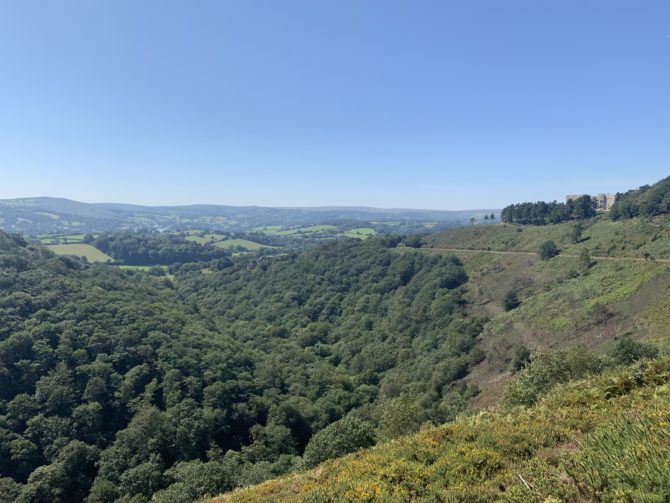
511 300
521 358
627 351
626 460
399 416
349 434
548 250
545 371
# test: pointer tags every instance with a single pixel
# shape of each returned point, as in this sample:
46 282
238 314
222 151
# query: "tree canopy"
122 386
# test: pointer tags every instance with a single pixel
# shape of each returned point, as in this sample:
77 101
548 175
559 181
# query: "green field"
81 250
221 241
360 232
244 243
310 229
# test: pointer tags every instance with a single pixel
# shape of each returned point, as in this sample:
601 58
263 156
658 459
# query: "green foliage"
626 459
584 260
581 442
628 351
545 371
522 357
511 300
577 230
349 434
145 248
399 416
192 480
548 250
647 201
542 213
117 385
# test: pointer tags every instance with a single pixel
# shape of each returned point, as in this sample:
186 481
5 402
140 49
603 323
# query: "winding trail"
534 254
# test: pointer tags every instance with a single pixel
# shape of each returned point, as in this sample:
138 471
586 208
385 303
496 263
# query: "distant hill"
45 215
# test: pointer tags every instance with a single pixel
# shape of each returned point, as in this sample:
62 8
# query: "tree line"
154 248
542 213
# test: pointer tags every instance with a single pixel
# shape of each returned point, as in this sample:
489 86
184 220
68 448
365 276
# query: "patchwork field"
91 253
222 241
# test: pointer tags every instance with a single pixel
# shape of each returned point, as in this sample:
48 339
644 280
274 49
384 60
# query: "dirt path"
571 255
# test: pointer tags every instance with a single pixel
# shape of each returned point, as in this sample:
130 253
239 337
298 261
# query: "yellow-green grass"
601 236
559 307
81 250
569 301
579 443
244 243
268 229
307 230
52 216
360 232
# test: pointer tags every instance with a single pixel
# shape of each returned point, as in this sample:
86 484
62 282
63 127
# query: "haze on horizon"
437 105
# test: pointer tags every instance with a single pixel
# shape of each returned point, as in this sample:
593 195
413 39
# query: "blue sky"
425 104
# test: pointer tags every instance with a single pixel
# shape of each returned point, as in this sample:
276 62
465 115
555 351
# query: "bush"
628 351
511 300
399 416
548 250
545 371
347 435
521 358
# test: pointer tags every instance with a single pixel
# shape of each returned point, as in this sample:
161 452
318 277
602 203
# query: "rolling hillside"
605 438
48 215
561 447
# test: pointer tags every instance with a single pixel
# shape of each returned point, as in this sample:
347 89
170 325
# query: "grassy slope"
221 241
244 243
81 250
629 238
557 311
554 451
559 307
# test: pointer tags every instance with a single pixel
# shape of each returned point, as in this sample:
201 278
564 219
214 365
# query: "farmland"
91 253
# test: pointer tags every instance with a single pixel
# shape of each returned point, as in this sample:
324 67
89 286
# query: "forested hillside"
601 438
120 386
647 201
560 334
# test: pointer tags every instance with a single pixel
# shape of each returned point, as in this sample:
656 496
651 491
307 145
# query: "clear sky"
447 104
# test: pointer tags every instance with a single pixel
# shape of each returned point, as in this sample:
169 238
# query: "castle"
603 201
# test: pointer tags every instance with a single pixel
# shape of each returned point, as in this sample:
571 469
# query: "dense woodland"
120 386
647 201
154 248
